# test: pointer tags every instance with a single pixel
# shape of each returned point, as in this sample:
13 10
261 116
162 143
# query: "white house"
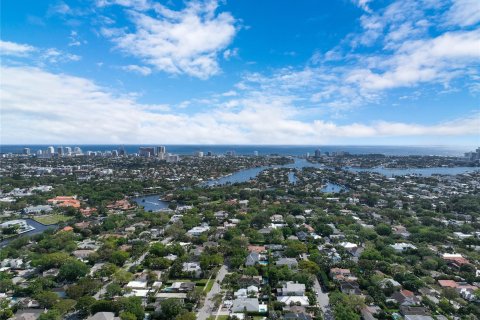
193 267
291 288
197 231
402 246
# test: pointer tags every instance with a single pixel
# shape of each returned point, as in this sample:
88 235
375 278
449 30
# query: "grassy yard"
51 218
219 318
209 285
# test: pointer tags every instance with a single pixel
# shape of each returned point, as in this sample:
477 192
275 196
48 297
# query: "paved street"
322 297
127 266
208 306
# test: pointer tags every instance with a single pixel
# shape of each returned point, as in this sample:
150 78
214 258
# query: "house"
171 295
400 247
418 317
245 304
252 259
176 218
246 281
123 205
294 300
401 230
65 201
461 235
87 212
302 235
415 313
50 272
140 293
28 314
37 209
249 305
181 287
455 260
12 263
385 283
243 203
82 225
350 287
245 292
257 249
353 249
277 218
88 244
405 298
369 312
26 303
221 215
137 285
468 293
291 288
130 229
290 262
339 274
192 267
197 231
274 247
464 289
448 283
82 254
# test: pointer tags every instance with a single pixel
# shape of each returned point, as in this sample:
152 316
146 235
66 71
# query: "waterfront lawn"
51 218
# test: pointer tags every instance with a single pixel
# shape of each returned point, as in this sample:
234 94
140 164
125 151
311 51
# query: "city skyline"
222 72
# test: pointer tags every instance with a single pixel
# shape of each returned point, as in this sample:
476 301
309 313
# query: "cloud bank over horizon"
405 73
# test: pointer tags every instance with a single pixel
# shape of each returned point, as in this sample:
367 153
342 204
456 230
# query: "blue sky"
241 72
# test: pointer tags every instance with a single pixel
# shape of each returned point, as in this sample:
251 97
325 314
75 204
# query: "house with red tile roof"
65 201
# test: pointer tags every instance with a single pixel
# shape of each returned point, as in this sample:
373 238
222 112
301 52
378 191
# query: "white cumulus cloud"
188 41
15 49
145 71
98 115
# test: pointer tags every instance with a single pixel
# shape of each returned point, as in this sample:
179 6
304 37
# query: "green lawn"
51 218
198 282
219 318
209 285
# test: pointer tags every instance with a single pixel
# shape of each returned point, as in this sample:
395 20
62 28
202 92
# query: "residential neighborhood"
151 240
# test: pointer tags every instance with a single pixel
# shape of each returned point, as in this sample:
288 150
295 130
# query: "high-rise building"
160 150
209 153
68 151
60 151
122 151
198 154
146 151
173 158
26 151
318 153
77 150
115 153
50 150
255 153
39 152
473 155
